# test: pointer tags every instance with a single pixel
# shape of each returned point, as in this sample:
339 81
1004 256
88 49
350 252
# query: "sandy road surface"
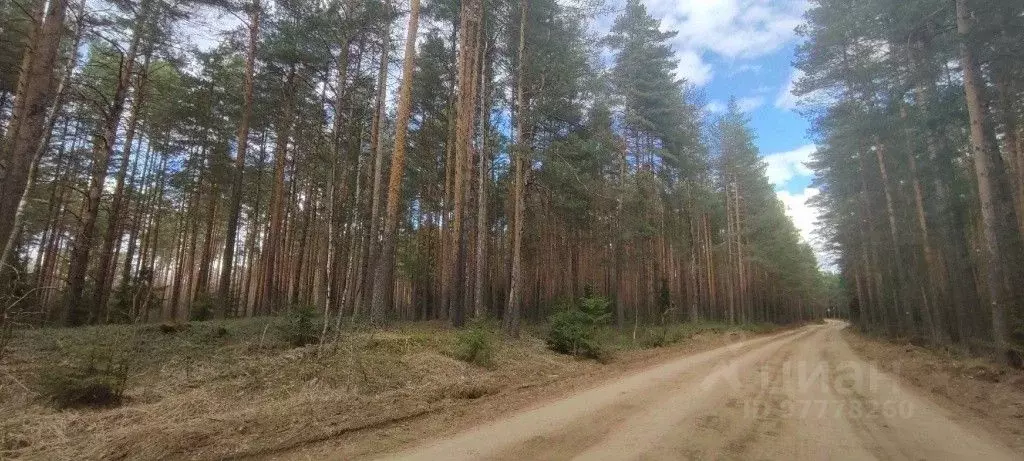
801 394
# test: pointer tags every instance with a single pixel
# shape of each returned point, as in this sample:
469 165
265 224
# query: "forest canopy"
377 160
920 163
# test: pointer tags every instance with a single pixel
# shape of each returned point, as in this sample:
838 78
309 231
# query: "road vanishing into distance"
801 394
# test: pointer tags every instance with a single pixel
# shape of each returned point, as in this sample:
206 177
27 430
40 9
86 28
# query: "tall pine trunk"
33 99
988 167
482 231
465 104
269 298
384 283
235 210
114 226
103 147
510 320
376 132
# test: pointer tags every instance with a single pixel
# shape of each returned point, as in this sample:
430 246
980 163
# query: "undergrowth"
574 328
476 344
97 379
300 326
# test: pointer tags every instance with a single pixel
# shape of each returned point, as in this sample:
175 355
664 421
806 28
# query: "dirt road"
797 395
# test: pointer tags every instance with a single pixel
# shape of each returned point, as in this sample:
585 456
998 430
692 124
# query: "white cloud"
781 169
693 68
784 166
805 218
746 68
750 103
715 107
747 104
731 28
786 99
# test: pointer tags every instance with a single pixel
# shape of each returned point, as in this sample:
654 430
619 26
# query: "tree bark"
33 100
987 166
44 142
103 147
510 320
482 230
269 297
102 291
376 131
235 209
384 283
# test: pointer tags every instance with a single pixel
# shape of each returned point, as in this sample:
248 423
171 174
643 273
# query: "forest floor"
816 392
984 392
236 389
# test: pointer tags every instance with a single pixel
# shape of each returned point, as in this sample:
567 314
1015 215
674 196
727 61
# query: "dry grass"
992 392
207 393
230 389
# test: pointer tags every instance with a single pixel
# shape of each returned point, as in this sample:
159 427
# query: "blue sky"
745 49
762 88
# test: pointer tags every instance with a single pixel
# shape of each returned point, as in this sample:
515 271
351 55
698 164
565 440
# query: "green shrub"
597 308
202 308
300 326
656 337
134 300
758 327
96 382
574 329
475 344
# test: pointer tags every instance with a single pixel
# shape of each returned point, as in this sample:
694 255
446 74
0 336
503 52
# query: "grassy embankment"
241 387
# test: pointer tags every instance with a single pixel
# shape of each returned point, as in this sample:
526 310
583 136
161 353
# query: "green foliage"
669 334
122 303
300 326
16 302
656 337
664 299
759 328
81 312
597 309
99 380
476 344
574 328
202 308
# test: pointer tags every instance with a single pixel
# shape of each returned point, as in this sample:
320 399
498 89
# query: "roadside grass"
647 337
231 388
951 377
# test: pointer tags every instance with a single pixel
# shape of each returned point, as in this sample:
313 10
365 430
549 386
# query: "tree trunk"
510 320
336 190
465 105
384 283
102 290
376 131
133 231
1011 141
235 209
103 147
44 143
269 297
482 230
907 320
987 167
33 100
